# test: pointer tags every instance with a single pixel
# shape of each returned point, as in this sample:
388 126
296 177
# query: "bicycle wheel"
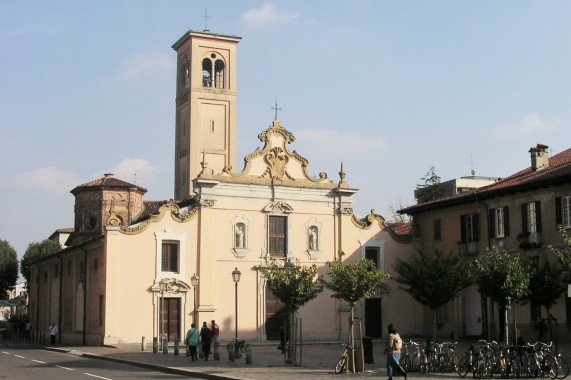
562 368
532 367
480 368
341 363
423 364
463 366
550 367
453 362
405 363
415 363
514 369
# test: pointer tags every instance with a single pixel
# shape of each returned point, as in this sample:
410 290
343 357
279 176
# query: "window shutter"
165 260
476 226
506 221
538 215
492 223
558 212
524 218
463 228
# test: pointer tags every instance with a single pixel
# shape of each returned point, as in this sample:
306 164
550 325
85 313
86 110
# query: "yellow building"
128 266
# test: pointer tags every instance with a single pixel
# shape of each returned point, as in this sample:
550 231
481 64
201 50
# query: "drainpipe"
84 295
485 322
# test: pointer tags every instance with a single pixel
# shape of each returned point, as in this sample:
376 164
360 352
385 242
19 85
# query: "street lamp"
236 277
163 285
194 282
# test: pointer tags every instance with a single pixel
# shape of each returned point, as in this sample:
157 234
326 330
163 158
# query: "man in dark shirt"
206 337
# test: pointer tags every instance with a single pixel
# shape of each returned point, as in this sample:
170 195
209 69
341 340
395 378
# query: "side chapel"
135 268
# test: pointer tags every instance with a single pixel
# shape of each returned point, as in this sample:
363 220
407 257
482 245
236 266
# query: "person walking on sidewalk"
192 341
53 333
392 349
206 337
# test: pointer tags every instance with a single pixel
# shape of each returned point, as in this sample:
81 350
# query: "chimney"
539 157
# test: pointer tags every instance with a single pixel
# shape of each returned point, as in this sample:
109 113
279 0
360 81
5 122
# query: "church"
136 268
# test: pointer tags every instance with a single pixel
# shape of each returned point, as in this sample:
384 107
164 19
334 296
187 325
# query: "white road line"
21 357
7 353
69 369
99 377
38 361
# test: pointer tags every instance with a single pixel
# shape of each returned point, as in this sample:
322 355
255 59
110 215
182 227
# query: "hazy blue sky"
390 88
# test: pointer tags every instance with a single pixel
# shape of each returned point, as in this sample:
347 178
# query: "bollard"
248 354
155 345
176 348
231 351
144 344
165 346
216 350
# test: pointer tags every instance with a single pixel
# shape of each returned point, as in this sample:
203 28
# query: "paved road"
27 362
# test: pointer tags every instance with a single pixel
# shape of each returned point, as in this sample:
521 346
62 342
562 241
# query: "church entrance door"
276 316
171 318
373 318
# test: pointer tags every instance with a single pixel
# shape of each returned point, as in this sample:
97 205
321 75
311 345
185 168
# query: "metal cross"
276 109
206 19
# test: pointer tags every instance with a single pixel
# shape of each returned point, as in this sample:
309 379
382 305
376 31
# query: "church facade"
134 268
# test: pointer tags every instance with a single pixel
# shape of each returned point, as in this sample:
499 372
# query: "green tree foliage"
503 277
8 268
430 189
563 253
353 282
294 286
546 285
432 280
35 251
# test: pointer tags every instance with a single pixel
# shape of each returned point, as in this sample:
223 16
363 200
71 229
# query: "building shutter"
506 221
463 228
538 215
492 223
524 218
558 212
476 226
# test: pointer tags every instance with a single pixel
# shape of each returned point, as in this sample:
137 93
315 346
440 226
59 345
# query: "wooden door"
276 316
170 318
373 318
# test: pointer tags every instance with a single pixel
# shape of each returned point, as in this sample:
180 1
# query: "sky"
389 88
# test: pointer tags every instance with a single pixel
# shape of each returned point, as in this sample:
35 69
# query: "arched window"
206 72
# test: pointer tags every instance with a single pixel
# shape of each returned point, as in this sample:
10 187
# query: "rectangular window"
499 222
437 229
372 253
531 217
469 226
563 212
277 244
169 262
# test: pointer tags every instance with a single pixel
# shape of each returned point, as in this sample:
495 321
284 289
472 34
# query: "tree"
36 251
563 253
433 281
546 285
8 268
430 189
353 282
504 277
294 286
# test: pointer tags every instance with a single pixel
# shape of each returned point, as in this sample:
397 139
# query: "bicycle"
341 365
539 364
561 363
405 360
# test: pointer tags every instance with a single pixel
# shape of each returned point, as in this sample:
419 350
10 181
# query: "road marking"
99 377
38 361
21 357
7 353
69 369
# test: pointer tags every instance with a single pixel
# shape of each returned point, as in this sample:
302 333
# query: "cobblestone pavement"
318 361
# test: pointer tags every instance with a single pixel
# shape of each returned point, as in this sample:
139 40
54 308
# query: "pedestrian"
215 339
206 337
53 332
192 341
392 349
28 331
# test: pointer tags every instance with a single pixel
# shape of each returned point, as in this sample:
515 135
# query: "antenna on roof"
135 176
472 165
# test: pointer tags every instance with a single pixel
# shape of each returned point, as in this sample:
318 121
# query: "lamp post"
236 277
194 282
162 284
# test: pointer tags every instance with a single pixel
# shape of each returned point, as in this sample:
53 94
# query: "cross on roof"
275 108
205 19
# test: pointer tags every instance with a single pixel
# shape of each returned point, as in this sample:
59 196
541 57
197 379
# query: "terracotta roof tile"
108 181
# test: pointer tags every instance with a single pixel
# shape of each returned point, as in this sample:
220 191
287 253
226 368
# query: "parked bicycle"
341 365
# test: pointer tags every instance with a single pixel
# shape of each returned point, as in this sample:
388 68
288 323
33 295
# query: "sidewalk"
318 360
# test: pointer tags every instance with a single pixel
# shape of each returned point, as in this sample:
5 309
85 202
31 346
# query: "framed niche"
240 236
313 238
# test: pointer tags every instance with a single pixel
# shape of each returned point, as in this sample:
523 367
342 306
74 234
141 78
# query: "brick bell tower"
205 106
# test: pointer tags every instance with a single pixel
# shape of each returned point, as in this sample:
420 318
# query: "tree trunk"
507 329
352 338
434 324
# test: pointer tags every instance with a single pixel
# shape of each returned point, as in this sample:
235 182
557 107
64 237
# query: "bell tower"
205 106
